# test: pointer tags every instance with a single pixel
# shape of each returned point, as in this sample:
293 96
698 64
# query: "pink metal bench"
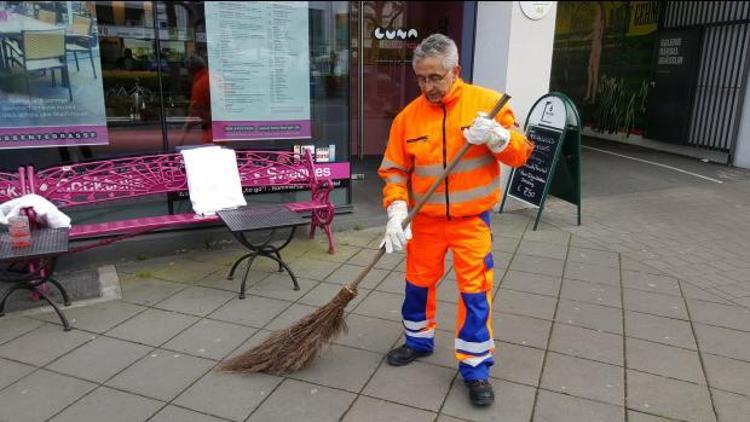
104 181
12 185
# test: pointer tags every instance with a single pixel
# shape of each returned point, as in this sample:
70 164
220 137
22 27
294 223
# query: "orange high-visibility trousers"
470 240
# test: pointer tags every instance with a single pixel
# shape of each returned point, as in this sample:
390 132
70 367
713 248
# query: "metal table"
247 219
33 266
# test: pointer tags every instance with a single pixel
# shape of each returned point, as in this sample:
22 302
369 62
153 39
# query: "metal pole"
361 84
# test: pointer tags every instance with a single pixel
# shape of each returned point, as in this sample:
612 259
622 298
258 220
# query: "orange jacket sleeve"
519 148
396 167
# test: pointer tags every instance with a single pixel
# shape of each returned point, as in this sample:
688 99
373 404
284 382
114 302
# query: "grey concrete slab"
528 304
501 260
664 360
152 327
210 339
731 407
537 265
521 330
595 256
549 234
593 272
394 282
723 342
290 316
341 367
519 364
542 249
417 384
550 405
735 317
147 291
381 305
40 396
375 335
44 344
727 374
184 271
667 397
279 286
503 242
446 316
367 409
587 343
643 417
387 262
655 304
230 396
96 317
254 311
584 378
297 400
651 283
531 283
342 254
198 301
513 402
591 316
161 374
11 372
178 414
15 326
325 292
348 273
110 405
313 269
597 293
100 359
659 329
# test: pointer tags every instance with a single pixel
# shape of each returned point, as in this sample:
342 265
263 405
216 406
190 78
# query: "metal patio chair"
42 51
80 40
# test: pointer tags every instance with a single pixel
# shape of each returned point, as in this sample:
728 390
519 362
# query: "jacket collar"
453 94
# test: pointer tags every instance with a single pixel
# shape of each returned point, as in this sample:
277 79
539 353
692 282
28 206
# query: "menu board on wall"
50 76
259 70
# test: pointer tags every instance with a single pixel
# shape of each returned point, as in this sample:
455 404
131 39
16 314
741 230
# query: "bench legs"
322 218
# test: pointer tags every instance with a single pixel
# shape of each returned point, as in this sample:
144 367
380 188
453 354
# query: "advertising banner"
258 53
50 75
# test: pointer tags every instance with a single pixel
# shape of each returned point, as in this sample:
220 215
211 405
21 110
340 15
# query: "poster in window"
259 70
50 75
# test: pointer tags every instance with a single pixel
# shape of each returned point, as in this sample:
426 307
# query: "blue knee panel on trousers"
477 313
415 309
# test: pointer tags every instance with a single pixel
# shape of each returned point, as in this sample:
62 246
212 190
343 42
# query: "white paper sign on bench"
213 179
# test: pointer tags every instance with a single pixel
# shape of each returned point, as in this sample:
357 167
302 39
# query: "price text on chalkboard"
529 181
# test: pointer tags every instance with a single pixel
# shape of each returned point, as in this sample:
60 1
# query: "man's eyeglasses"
432 79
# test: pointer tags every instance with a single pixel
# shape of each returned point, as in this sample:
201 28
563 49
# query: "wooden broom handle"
448 169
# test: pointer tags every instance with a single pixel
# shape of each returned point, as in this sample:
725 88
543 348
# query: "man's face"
434 81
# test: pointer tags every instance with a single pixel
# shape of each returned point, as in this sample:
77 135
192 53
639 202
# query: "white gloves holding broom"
487 131
395 236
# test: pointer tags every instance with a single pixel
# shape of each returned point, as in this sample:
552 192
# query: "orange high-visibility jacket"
425 137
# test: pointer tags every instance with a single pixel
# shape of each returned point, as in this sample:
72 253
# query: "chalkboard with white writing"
528 182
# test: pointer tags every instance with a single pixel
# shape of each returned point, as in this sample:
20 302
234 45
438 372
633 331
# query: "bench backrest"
12 185
123 178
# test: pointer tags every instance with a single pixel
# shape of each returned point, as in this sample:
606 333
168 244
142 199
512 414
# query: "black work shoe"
480 392
404 355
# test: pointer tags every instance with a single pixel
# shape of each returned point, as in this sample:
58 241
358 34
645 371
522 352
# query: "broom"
295 347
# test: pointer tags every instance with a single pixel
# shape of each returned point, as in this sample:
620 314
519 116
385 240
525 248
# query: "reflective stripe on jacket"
425 137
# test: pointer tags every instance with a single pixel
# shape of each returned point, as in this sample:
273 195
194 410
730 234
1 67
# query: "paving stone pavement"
584 332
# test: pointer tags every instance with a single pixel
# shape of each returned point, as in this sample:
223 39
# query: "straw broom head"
295 347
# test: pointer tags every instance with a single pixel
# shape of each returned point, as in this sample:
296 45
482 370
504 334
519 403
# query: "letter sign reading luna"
395 34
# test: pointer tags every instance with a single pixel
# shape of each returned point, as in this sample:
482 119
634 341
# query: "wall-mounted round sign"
536 10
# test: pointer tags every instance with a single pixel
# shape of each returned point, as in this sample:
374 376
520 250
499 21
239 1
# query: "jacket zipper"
445 164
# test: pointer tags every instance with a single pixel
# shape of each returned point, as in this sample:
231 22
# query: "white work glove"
396 237
487 131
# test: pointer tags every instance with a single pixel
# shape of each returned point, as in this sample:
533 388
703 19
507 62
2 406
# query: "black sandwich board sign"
554 168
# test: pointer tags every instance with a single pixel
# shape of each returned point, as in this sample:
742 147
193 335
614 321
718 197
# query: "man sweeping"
424 137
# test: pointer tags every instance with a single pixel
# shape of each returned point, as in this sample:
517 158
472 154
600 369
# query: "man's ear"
457 71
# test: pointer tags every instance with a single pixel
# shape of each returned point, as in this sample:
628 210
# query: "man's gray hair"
437 45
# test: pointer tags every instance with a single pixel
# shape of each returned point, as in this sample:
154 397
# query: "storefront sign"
46 99
259 61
